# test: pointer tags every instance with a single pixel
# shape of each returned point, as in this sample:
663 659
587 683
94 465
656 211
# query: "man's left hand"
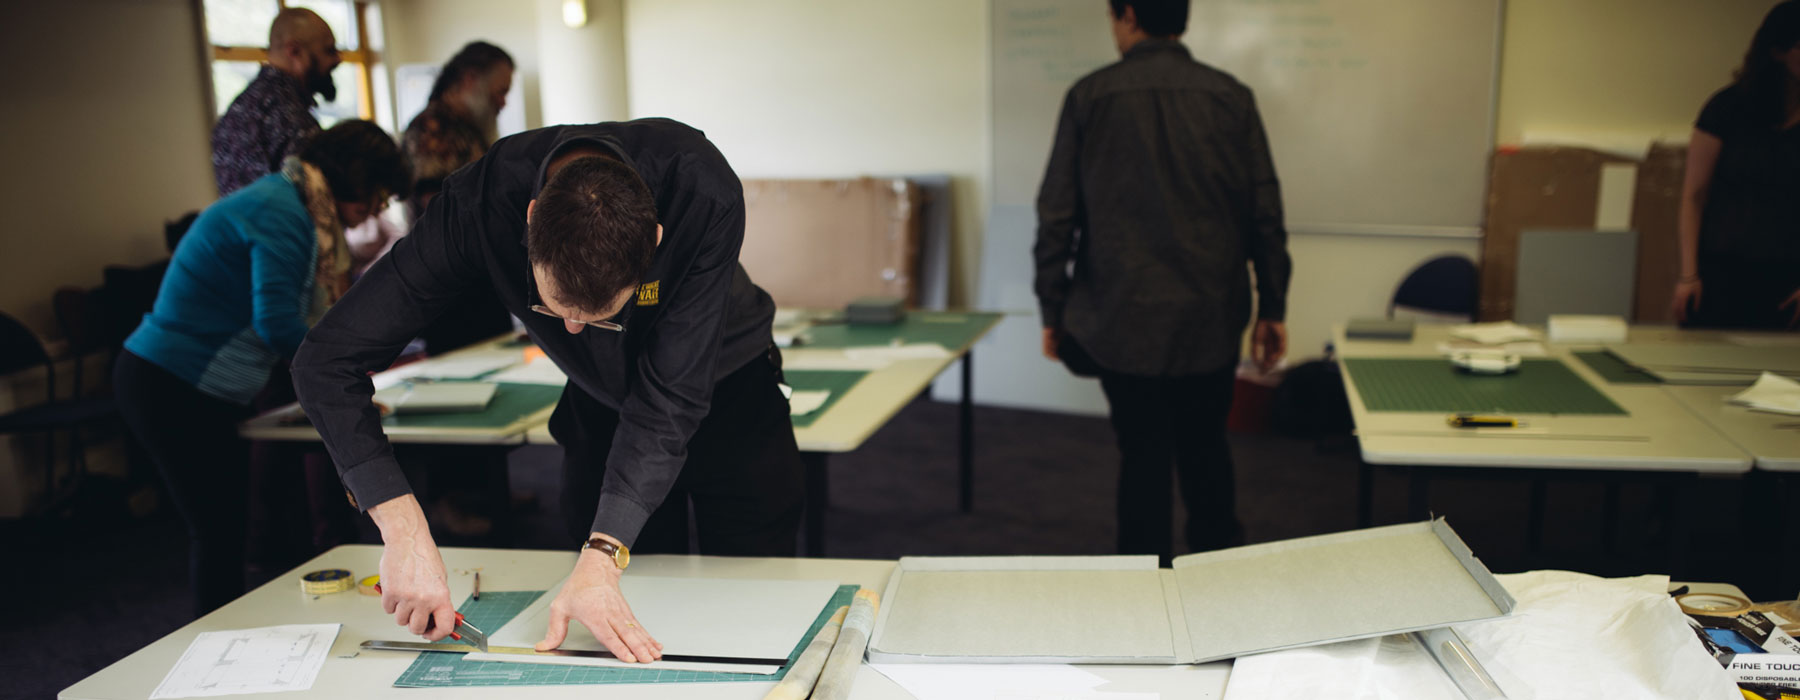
1268 344
592 597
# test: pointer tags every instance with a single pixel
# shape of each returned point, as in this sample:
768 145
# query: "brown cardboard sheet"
823 243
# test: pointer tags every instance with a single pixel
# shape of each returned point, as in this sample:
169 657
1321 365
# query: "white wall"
1620 71
431 31
105 131
801 88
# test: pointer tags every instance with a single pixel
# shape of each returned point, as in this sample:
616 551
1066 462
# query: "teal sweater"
235 299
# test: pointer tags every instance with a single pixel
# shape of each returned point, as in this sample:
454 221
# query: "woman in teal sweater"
246 282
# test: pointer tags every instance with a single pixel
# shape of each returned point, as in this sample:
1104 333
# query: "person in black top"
1159 194
1740 206
617 245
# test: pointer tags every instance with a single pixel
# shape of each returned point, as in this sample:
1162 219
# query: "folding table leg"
818 494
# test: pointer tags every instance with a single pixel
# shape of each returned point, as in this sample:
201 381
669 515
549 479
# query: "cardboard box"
822 243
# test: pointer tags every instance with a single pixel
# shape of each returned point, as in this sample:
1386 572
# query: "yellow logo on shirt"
648 293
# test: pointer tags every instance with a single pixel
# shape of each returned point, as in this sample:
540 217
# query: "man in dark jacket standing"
1160 193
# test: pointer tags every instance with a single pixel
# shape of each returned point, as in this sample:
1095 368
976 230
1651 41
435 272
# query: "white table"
1658 440
280 423
1772 439
371 674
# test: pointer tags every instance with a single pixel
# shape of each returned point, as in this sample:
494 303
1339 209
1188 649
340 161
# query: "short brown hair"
594 230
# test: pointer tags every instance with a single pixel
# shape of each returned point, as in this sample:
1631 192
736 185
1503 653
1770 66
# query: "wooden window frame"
363 58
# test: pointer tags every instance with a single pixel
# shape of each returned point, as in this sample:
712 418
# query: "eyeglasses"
614 324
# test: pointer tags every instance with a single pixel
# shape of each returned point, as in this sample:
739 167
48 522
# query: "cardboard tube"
847 654
798 683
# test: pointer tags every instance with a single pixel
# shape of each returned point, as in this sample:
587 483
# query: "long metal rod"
384 645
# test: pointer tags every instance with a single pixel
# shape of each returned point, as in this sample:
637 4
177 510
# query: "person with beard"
459 121
272 118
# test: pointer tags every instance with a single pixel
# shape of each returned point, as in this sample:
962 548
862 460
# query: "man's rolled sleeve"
1267 237
1059 210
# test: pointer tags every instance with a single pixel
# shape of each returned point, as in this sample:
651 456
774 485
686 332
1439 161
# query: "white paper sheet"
1572 636
804 402
539 371
690 616
1494 333
804 359
991 681
437 397
1771 392
1522 349
909 351
470 365
260 660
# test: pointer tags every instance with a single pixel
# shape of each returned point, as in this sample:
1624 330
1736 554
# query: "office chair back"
1445 287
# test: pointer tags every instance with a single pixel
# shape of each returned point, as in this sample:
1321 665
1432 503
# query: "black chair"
21 350
1446 286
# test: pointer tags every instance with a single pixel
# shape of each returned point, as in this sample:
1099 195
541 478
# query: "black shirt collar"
604 143
1155 45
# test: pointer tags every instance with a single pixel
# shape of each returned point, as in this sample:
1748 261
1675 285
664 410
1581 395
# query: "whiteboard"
1380 113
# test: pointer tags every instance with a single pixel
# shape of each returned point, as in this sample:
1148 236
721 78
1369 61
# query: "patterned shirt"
439 141
270 120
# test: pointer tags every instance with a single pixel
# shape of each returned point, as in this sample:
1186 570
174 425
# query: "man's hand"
1793 300
413 586
1050 345
1268 344
1686 298
592 597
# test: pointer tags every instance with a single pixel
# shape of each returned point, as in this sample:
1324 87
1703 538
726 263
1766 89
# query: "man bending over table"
617 244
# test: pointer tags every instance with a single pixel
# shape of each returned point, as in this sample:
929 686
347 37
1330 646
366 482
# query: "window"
238 31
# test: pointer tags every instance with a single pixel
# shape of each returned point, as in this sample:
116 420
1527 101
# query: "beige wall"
431 31
1617 70
102 143
801 88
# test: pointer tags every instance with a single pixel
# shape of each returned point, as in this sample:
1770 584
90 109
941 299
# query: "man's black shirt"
697 316
1160 188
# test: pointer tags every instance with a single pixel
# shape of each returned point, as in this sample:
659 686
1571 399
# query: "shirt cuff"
374 482
1268 309
1051 314
620 517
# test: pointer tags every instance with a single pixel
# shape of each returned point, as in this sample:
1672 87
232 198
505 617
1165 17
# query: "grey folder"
1210 606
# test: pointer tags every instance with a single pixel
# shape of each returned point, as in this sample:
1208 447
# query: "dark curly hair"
359 161
1764 79
594 230
476 57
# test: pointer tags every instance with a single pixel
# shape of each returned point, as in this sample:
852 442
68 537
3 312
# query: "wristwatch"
620 554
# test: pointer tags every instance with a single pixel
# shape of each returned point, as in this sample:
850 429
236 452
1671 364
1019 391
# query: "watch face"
623 557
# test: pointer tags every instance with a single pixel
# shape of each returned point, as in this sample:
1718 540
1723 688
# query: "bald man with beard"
272 118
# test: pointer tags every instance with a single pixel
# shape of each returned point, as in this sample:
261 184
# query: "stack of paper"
262 660
539 371
1771 392
1493 333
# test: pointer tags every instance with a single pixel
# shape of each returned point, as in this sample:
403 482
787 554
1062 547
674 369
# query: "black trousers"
192 438
1173 422
743 472
1744 295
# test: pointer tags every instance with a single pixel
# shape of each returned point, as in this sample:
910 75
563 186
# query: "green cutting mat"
1615 370
952 330
1416 385
836 381
510 403
495 609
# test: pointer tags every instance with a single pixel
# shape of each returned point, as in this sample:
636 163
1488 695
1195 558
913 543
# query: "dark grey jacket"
1160 189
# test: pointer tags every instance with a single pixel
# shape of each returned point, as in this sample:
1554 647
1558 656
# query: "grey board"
1575 272
1211 606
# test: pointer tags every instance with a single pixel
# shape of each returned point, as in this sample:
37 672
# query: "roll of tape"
367 585
327 581
1716 604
